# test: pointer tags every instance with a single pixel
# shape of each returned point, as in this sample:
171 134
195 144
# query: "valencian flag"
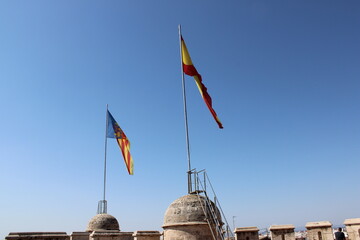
189 69
114 131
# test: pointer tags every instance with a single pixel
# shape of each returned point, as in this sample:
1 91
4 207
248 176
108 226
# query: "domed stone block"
102 222
186 218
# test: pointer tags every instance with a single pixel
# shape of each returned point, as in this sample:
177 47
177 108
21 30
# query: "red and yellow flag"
114 131
189 69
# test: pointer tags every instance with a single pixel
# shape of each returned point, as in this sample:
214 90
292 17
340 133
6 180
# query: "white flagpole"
185 115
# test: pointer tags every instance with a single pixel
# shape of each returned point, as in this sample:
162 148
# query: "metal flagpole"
106 130
102 206
185 116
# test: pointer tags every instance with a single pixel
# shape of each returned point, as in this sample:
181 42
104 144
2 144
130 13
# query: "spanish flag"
189 69
114 131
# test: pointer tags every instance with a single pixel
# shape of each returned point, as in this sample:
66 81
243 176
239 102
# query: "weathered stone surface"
37 236
353 228
247 233
319 230
111 235
246 229
318 224
80 236
282 232
281 227
188 209
198 232
147 235
103 222
352 221
185 218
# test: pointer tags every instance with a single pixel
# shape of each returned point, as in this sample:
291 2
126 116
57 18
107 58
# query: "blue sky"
283 76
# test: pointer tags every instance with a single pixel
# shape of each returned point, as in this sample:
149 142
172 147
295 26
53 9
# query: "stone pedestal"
111 235
37 236
319 231
246 233
282 232
146 235
80 236
353 228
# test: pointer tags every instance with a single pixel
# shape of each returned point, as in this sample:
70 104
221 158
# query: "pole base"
102 207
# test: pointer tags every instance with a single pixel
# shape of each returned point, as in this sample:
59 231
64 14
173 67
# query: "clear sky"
284 77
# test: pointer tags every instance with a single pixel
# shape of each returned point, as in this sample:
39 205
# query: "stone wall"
319 231
80 236
37 236
282 232
199 231
353 228
247 233
146 235
111 235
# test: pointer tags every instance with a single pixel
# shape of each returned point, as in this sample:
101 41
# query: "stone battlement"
314 231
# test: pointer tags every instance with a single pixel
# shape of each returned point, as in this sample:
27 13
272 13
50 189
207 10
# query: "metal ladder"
214 214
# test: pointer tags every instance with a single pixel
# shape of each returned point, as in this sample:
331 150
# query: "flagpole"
102 206
185 116
106 130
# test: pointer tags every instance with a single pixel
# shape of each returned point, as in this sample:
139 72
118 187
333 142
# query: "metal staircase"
201 185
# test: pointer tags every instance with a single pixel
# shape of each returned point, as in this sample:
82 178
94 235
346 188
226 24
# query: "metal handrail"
222 212
218 226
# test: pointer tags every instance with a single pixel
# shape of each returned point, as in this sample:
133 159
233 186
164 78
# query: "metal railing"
215 216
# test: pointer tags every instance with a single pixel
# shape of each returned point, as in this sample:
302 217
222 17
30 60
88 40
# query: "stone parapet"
246 233
147 235
352 221
246 229
80 236
282 232
321 224
111 235
319 230
37 236
282 227
353 228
